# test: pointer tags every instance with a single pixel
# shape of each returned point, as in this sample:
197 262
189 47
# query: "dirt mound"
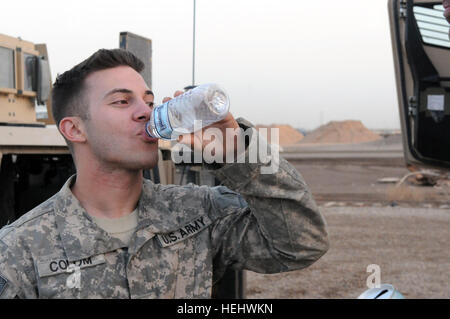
287 134
341 132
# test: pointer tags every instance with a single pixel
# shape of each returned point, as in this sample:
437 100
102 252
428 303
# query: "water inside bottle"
207 103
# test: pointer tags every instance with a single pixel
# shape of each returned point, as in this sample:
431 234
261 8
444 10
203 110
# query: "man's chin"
149 164
141 164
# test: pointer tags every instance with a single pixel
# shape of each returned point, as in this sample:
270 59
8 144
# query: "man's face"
120 104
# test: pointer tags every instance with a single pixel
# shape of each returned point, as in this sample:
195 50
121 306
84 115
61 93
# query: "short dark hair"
67 92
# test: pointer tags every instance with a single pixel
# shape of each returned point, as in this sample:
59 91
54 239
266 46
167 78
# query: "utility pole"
193 49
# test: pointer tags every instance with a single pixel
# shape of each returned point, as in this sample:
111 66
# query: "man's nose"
142 112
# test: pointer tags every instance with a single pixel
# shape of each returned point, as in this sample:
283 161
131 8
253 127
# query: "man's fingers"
186 139
178 92
193 140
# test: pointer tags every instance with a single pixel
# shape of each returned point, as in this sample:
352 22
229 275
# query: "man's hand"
199 140
446 4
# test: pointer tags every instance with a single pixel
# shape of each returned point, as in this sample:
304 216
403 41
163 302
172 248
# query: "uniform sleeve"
269 221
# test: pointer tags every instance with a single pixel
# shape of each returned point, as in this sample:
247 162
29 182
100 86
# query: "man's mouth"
147 138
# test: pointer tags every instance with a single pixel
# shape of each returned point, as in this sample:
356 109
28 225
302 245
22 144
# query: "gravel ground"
409 244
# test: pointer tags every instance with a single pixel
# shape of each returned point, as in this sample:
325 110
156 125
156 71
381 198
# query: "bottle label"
162 123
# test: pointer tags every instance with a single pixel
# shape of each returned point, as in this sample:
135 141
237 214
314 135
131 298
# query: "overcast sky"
298 62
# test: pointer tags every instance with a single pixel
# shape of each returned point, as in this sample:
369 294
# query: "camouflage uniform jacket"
267 223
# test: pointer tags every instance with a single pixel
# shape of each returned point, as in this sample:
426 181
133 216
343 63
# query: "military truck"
421 51
34 159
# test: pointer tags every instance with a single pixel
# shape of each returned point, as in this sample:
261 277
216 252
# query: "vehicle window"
432 25
29 70
7 78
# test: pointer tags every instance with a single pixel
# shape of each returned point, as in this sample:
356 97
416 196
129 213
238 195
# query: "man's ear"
73 129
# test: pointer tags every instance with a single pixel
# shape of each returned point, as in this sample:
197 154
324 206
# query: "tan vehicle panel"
17 104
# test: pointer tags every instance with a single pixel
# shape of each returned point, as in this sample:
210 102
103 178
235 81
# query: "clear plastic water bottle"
207 102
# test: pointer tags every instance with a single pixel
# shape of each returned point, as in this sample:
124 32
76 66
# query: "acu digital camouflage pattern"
184 232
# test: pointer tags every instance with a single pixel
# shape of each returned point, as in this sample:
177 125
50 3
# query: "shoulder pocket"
226 200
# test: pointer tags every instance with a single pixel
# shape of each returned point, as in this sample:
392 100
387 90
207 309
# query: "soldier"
108 233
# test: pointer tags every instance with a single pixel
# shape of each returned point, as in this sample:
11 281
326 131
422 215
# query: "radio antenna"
193 49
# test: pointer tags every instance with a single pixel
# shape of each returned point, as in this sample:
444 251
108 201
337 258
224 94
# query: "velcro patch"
59 265
186 231
3 283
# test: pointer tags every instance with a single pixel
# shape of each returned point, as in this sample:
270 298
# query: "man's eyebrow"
121 90
117 91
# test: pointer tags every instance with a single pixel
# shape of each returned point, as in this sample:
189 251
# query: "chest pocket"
59 278
180 251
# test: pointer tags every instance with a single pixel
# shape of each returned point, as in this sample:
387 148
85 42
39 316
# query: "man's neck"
110 194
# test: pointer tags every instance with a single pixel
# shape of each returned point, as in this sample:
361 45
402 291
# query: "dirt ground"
357 182
408 239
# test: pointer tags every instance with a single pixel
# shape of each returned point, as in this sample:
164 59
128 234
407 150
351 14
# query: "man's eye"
121 102
151 104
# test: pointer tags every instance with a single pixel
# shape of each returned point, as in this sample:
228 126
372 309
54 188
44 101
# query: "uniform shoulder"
192 190
172 190
220 199
29 219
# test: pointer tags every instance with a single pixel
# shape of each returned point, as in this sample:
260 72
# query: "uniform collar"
156 215
82 237
164 208
154 210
